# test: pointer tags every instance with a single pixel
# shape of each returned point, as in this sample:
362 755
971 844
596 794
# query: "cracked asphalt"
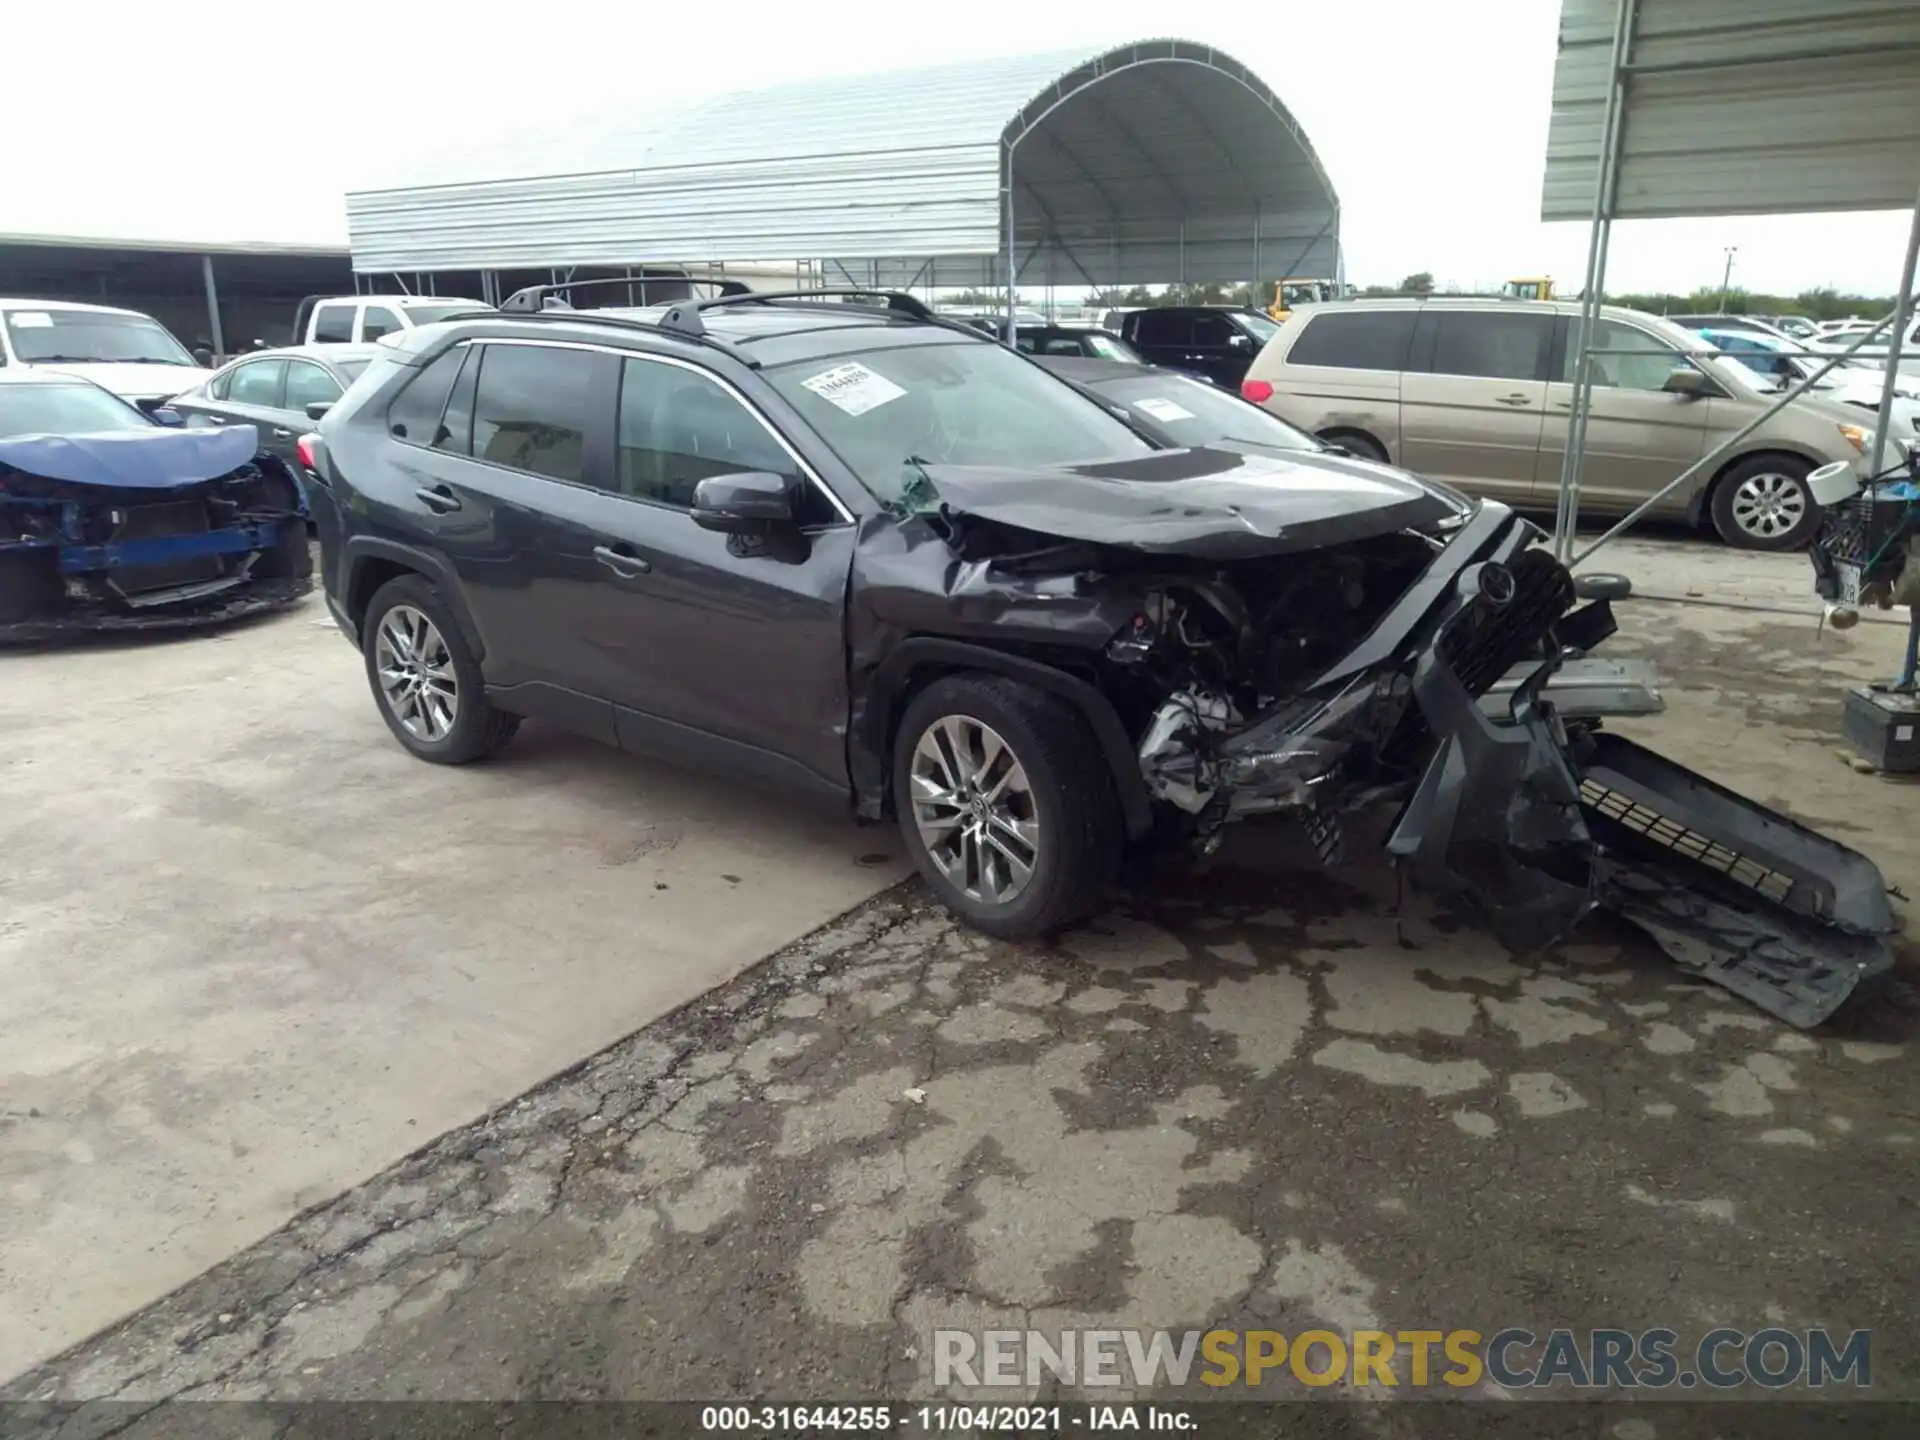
1258 1097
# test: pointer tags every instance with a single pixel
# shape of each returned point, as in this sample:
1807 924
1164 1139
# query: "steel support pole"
1902 317
1012 261
213 306
1567 510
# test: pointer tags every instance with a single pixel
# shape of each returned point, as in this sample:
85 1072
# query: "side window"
378 320
1510 346
455 430
1640 362
1159 327
308 384
256 384
217 387
678 427
333 324
1358 340
530 409
415 412
1212 332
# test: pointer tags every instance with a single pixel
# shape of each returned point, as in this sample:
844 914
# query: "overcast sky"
223 121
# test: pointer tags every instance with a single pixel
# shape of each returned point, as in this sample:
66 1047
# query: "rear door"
334 323
1165 337
498 487
249 394
1639 437
1473 399
378 320
306 384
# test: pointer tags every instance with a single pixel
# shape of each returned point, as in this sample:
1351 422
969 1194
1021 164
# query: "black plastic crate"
1884 728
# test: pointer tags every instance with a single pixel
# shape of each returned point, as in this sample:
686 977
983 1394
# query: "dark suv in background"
1208 340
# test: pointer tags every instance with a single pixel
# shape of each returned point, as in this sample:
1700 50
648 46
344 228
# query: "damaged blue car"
114 519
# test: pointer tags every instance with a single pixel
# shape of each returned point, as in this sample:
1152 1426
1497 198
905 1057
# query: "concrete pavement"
1261 1097
251 952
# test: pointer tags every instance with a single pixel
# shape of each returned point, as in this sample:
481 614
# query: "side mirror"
1685 381
318 408
169 417
754 502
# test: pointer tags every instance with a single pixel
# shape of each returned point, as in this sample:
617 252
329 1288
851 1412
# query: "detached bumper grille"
1670 834
150 522
1483 643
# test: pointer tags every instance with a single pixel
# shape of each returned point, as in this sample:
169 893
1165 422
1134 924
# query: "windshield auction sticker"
30 320
853 388
1165 410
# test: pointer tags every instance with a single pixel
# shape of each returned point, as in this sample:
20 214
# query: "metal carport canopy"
1154 161
1670 108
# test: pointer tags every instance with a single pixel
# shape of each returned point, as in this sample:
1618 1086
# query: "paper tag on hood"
853 388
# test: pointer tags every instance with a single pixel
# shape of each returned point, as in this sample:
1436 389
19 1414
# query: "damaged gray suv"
833 542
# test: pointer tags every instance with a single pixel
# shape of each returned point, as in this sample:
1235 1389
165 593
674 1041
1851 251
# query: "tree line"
1825 303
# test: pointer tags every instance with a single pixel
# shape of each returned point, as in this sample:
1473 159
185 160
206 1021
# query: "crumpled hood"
153 459
135 382
1220 502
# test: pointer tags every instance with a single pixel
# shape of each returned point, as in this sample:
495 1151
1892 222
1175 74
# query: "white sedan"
1852 382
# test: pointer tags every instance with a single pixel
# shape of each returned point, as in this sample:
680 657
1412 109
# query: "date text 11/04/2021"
936 1419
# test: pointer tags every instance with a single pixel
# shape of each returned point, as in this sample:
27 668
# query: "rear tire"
1764 503
425 681
1006 805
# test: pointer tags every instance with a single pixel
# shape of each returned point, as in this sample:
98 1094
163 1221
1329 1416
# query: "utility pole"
1726 277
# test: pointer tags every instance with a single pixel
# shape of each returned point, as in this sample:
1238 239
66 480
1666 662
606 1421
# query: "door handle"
280 434
216 419
622 564
440 499
1514 399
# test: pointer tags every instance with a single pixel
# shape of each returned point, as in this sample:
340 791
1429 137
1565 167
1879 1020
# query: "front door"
1221 352
1473 399
1639 436
718 646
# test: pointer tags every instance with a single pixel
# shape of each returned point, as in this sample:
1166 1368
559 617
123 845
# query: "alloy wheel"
417 681
1769 505
973 806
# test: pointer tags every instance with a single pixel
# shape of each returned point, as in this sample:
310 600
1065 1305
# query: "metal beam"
1567 507
1744 62
213 306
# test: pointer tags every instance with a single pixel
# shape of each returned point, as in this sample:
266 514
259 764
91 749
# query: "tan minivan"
1477 392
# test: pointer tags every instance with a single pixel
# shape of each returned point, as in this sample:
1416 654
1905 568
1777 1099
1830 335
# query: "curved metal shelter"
1162 160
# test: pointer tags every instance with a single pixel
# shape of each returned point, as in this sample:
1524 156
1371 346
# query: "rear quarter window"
1357 340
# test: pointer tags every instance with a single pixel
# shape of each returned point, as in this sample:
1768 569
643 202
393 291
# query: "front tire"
425 681
1006 805
1764 503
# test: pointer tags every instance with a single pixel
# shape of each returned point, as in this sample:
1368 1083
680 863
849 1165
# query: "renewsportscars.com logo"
1514 1359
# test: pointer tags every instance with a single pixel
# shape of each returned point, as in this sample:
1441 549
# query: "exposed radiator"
152 522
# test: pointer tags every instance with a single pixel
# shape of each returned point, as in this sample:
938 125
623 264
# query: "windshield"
1263 329
887 413
1191 413
65 410
76 336
432 314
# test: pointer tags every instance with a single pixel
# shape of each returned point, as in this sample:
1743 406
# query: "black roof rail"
535 298
683 317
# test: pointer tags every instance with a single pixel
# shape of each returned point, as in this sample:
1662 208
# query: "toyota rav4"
835 542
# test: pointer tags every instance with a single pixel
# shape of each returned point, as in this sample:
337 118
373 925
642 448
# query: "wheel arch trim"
362 550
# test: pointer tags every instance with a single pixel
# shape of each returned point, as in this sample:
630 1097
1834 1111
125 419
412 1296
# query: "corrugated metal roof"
1807 105
1113 151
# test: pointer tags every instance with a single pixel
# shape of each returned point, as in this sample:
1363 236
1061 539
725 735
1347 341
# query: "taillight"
304 448
1258 391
